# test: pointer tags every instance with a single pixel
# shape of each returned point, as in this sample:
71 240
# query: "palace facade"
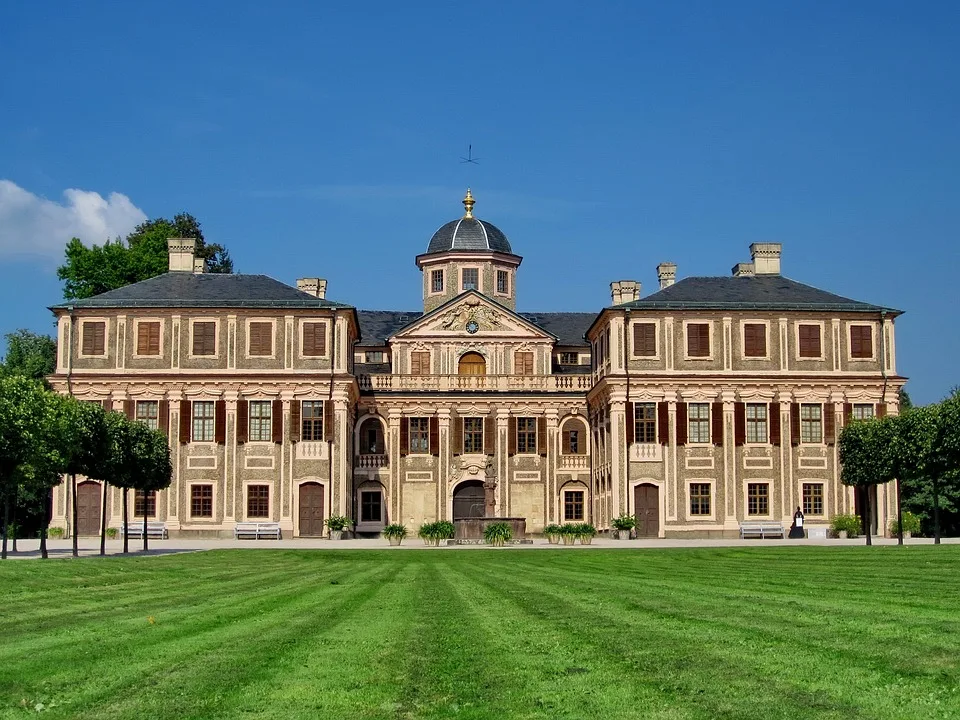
711 402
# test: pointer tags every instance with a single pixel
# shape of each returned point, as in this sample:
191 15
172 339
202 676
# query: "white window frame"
136 411
823 340
711 336
509 282
713 500
383 503
193 439
873 342
823 430
746 498
826 497
106 336
708 420
213 502
656 336
479 288
563 503
273 335
216 338
269 439
443 277
746 424
136 336
743 341
853 411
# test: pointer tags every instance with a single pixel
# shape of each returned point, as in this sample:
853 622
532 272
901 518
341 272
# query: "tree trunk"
6 524
13 515
899 515
936 511
145 521
867 525
73 513
103 520
126 534
43 529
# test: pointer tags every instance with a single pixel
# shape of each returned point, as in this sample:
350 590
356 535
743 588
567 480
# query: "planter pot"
427 541
586 539
842 534
569 539
623 534
496 543
336 534
907 534
553 539
395 541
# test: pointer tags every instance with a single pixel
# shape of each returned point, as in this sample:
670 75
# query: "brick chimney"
313 286
766 258
666 274
180 252
624 291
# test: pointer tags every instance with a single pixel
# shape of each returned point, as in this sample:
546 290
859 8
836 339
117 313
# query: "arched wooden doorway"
311 510
88 508
472 363
469 500
646 509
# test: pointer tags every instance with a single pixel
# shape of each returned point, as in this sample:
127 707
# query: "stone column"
230 451
443 464
785 397
727 397
671 489
396 471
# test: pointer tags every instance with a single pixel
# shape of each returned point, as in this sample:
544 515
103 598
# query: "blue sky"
323 139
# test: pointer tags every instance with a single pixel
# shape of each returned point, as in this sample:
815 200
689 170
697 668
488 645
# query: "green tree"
867 458
87 452
155 470
918 463
29 354
904 398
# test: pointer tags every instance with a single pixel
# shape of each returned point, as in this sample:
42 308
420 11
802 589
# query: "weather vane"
469 158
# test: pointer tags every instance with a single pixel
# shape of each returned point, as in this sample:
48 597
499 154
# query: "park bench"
762 530
155 530
257 530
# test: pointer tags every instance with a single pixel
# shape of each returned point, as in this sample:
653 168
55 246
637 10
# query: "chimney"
199 266
181 252
313 286
743 270
766 258
666 274
624 291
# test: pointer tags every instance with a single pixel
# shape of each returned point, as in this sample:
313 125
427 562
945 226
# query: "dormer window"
471 278
503 282
436 281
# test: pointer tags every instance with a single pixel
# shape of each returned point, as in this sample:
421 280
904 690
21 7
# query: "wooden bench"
762 530
155 530
257 530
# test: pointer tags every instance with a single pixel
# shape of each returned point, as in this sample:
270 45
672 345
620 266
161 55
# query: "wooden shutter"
185 421
565 442
295 421
542 435
645 339
276 420
716 417
404 436
754 340
204 338
86 340
243 420
163 418
663 423
523 363
314 339
261 338
847 413
220 422
328 421
794 423
698 340
630 422
457 428
130 409
94 338
682 423
774 412
829 424
148 338
810 341
435 436
881 410
512 436
489 434
739 424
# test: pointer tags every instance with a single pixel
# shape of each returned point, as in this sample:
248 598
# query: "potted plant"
911 525
497 534
55 532
623 525
445 530
585 532
337 524
553 533
845 526
395 533
568 534
428 533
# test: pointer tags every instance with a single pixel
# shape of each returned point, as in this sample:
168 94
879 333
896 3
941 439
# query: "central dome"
469 233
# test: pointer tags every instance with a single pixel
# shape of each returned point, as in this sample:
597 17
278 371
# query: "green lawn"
600 634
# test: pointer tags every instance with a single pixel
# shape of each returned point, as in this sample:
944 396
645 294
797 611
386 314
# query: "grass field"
711 633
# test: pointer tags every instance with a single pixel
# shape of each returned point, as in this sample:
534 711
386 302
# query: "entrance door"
311 510
469 500
88 508
472 363
646 504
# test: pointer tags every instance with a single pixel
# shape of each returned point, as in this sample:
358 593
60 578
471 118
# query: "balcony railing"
574 462
371 461
646 452
493 383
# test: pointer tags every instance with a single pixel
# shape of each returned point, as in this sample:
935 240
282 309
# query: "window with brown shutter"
328 421
148 338
829 424
314 339
698 340
489 434
682 423
523 363
277 421
405 435
243 420
663 422
93 338
861 342
261 338
645 339
205 338
434 436
512 436
163 420
420 363
220 422
542 435
185 421
739 424
775 423
809 341
717 420
754 340
295 421
456 443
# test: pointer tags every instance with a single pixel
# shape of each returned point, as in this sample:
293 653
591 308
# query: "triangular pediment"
472 316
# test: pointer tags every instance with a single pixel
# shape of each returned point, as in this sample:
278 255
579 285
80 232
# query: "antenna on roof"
469 158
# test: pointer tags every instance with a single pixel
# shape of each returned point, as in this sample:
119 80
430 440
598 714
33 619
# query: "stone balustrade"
574 462
493 383
371 461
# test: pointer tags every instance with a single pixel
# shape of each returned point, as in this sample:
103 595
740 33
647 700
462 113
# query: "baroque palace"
712 402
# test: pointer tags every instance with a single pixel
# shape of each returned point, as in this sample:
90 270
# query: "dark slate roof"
468 234
182 289
567 327
750 292
377 325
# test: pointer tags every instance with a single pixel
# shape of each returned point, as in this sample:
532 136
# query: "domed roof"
469 233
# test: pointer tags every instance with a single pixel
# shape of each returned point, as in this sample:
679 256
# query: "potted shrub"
585 533
911 525
568 533
337 524
623 525
497 534
395 533
553 533
445 530
55 532
845 526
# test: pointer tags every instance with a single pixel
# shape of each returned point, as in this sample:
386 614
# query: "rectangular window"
201 501
473 435
699 498
811 423
148 338
758 499
471 278
371 506
419 363
203 421
573 447
503 282
261 421
375 356
436 281
698 422
314 339
148 412
93 340
861 342
645 422
645 339
419 435
311 420
754 340
569 358
261 338
698 340
151 503
526 435
863 412
809 341
523 363
756 422
204 338
813 499
258 501
573 505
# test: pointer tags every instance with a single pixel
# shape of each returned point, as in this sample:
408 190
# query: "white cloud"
32 226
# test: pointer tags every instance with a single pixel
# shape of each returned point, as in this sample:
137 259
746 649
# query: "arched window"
574 438
371 437
472 363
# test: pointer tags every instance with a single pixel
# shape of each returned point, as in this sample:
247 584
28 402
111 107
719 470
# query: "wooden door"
88 508
311 510
646 507
469 500
472 363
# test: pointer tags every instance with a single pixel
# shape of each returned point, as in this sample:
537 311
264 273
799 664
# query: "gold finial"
468 203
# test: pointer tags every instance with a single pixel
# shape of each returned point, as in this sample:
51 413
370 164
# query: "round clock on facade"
472 327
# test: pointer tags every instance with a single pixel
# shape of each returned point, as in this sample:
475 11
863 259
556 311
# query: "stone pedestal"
472 528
